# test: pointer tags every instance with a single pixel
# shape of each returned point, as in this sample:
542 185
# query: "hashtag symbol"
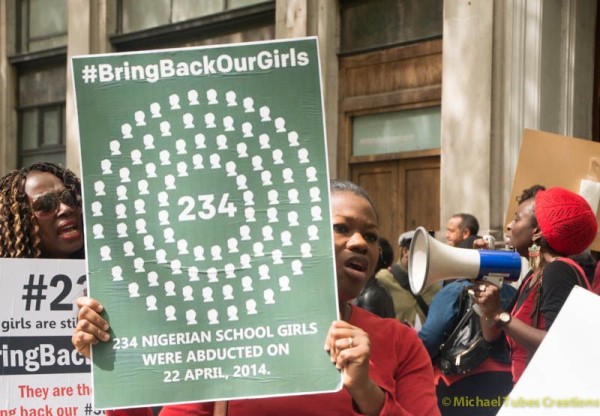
89 73
34 292
88 409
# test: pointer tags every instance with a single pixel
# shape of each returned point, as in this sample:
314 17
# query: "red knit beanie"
566 220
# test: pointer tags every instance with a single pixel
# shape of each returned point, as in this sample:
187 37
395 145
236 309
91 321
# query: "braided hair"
18 226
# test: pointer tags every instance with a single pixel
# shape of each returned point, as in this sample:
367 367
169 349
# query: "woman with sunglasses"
40 213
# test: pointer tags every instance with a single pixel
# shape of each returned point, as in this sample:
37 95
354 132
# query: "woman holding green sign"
385 368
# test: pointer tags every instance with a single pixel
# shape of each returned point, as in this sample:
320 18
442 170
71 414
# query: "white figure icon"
277 256
315 194
265 177
170 313
249 214
150 170
267 233
163 199
272 214
155 110
265 113
245 260
124 175
99 188
182 247
140 226
313 232
242 150
98 231
227 292
170 182
117 273
258 249
213 317
293 139
134 290
188 121
121 193
230 168
280 125
121 211
200 141
311 174
288 175
161 256
165 129
188 293
248 197
105 165
198 161
257 163
305 250
293 196
153 279
198 253
212 274
190 317
140 118
136 157
269 296
126 131
151 303
241 180
284 284
263 272
115 147
286 238
174 101
229 271
143 187
192 96
193 274
251 307
138 264
122 230
182 169
215 161
176 266
105 253
209 120
221 142
273 197
232 313
245 232
169 235
232 245
228 123
264 140
140 206
315 212
170 288
230 97
207 294
128 249
180 147
248 103
247 129
148 140
211 96
293 219
297 267
215 252
247 284
165 157
277 157
148 242
303 155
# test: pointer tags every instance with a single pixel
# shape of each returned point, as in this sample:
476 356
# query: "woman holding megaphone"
549 225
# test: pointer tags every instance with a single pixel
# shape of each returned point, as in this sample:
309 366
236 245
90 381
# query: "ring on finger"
350 342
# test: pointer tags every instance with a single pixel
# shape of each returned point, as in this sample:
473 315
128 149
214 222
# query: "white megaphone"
431 261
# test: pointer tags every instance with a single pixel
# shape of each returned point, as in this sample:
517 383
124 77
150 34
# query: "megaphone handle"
476 307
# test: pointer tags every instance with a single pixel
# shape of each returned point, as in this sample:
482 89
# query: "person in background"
462 227
40 213
374 297
386 370
549 225
408 307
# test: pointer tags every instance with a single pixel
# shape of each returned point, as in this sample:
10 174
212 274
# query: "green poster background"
208 230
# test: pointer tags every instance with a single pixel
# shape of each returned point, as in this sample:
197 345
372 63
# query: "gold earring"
534 256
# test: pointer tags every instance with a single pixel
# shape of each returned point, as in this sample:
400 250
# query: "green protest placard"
208 229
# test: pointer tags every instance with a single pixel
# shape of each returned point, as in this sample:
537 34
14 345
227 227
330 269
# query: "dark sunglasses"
46 205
